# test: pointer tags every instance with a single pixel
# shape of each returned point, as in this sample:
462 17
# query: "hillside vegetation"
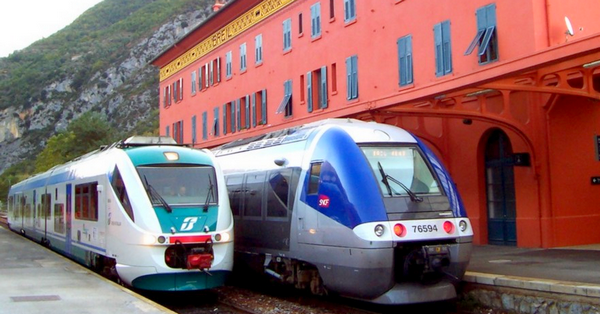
96 65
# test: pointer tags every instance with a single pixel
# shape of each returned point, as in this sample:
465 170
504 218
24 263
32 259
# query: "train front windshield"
179 185
401 170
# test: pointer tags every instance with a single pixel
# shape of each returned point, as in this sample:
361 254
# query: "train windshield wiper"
155 196
210 195
386 177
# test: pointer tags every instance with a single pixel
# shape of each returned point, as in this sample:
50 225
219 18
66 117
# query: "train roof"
301 133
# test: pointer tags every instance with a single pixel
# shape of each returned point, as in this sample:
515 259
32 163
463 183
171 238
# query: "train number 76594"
425 228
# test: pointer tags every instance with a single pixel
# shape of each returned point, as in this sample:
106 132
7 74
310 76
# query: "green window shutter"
323 89
264 106
439 54
204 126
224 119
447 47
309 92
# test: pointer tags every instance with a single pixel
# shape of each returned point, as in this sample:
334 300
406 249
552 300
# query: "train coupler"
197 259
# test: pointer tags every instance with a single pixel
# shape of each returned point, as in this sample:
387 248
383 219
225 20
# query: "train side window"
234 186
313 180
46 205
278 192
253 196
119 187
59 218
86 201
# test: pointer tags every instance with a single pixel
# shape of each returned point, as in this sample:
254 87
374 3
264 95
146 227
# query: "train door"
500 188
307 216
69 209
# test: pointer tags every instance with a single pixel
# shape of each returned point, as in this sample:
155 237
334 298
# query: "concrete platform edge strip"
536 284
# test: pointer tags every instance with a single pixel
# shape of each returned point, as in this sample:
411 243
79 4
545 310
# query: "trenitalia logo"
188 223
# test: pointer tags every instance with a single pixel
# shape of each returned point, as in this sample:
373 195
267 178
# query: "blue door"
500 190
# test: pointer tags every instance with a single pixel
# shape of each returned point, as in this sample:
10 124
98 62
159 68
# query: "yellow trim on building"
225 34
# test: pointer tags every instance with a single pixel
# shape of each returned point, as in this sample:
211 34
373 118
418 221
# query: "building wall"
556 204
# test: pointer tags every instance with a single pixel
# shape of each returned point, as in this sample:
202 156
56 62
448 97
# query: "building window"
315 20
238 114
244 112
349 10
334 78
193 83
232 113
331 9
258 49
167 96
486 37
194 139
243 57
178 90
261 99
86 201
316 87
211 74
204 126
352 77
217 62
201 78
443 51
167 131
228 58
286 103
405 66
178 132
215 128
300 29
225 119
287 34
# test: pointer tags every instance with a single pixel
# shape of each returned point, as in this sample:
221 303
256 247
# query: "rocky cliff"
125 91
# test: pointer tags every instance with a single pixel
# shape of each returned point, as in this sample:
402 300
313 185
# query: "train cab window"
278 192
121 192
86 201
313 180
234 186
59 218
180 185
253 194
399 169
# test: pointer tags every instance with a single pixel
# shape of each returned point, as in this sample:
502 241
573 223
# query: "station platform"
571 271
34 279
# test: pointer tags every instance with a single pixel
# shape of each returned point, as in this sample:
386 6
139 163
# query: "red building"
507 93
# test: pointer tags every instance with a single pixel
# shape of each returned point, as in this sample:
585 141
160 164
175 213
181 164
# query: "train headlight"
161 239
148 239
462 225
379 229
222 237
172 156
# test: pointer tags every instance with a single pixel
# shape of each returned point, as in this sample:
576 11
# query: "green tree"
83 135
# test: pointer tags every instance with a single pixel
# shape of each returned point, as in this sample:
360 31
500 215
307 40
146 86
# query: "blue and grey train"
153 214
357 209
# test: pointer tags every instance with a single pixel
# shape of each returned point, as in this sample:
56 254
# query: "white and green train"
152 213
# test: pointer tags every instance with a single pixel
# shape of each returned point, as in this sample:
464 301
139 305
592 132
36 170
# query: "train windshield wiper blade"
386 177
209 195
154 195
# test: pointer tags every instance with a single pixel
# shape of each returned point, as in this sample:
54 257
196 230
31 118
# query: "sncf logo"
188 223
323 201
